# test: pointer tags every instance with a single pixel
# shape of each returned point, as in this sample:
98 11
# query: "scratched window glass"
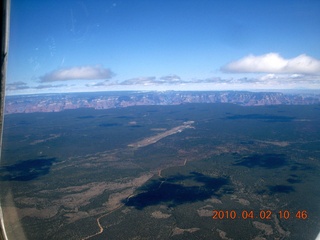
162 120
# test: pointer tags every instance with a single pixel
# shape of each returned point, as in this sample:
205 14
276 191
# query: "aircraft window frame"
5 26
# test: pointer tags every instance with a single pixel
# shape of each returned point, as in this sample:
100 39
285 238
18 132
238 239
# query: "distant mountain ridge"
106 100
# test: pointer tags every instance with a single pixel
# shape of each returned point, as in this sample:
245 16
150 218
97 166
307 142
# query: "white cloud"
75 73
274 63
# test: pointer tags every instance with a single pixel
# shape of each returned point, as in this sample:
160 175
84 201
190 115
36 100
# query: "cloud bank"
269 80
50 86
274 63
16 86
140 81
76 73
167 80
171 78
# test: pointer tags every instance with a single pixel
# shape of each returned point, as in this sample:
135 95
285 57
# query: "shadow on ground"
179 189
26 170
269 161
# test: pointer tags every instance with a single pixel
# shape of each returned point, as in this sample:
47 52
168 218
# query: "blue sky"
101 45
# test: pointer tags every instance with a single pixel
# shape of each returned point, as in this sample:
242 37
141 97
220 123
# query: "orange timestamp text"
262 214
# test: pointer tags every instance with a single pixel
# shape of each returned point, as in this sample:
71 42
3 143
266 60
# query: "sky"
102 45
